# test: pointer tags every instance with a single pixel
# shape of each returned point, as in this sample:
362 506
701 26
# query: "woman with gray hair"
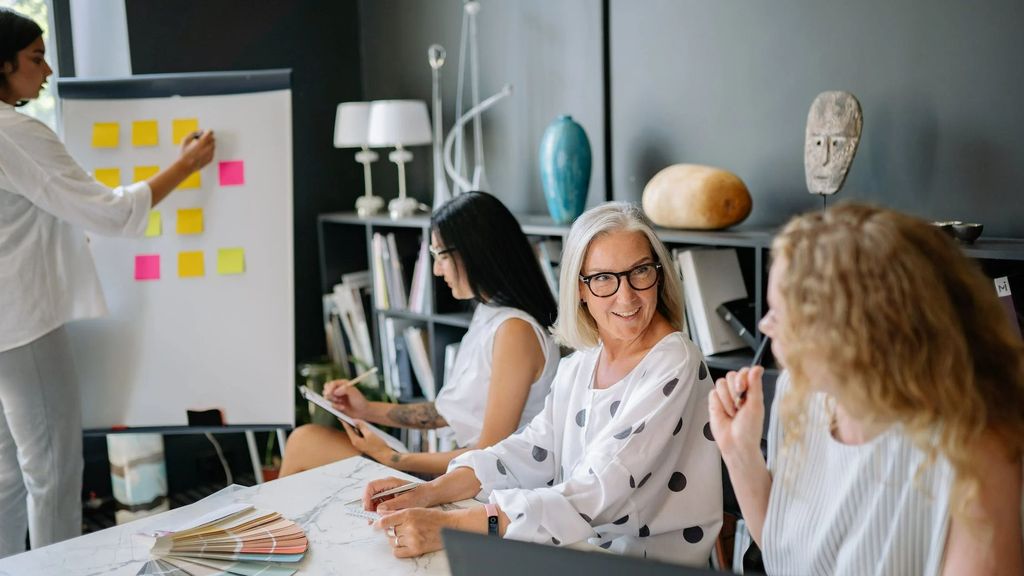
620 457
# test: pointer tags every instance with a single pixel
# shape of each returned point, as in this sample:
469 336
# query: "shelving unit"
345 247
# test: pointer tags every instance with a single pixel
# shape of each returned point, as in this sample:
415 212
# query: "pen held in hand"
758 358
354 381
390 492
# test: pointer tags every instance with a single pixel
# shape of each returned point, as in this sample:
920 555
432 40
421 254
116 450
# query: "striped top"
842 509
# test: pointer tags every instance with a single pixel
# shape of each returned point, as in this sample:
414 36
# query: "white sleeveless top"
857 510
463 399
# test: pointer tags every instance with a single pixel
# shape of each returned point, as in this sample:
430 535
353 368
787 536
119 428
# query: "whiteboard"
176 343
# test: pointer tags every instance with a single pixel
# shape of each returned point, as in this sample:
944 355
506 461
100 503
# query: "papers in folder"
322 402
236 539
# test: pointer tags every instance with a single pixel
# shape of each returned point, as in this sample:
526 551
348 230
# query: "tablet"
394 443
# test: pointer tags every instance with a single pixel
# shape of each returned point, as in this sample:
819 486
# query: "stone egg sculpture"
697 197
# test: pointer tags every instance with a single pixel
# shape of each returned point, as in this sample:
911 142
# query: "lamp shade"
351 124
399 122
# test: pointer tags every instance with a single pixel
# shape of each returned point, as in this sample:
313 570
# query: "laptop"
472 554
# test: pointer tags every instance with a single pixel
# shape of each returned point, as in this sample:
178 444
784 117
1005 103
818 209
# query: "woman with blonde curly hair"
897 432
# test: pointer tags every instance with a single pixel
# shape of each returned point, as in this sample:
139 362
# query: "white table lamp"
399 123
351 128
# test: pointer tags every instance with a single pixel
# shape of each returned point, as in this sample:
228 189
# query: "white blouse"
463 399
838 509
47 275
631 468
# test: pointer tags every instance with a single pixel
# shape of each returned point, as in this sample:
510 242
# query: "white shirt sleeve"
624 476
38 167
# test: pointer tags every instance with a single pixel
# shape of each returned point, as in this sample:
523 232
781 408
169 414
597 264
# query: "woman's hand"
736 406
197 149
415 531
347 399
420 497
368 443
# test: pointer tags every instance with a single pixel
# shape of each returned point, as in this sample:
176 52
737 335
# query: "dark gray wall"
729 82
549 51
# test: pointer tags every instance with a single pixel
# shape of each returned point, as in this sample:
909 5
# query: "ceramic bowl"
947 226
967 232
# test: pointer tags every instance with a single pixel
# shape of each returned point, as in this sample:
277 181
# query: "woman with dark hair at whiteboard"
505 363
47 278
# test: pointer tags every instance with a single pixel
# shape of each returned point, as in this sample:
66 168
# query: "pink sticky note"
147 267
232 173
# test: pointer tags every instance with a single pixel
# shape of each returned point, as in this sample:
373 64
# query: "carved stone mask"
833 132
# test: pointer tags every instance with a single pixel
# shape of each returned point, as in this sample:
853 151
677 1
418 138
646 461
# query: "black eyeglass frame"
618 279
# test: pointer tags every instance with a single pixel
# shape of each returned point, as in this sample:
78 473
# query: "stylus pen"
390 492
758 357
356 380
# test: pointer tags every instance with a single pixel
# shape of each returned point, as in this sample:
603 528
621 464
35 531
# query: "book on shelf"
549 253
421 275
348 299
380 287
403 366
336 349
395 275
739 314
687 320
416 344
236 539
711 277
1004 290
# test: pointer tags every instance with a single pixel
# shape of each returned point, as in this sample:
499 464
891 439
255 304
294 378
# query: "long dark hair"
16 33
497 259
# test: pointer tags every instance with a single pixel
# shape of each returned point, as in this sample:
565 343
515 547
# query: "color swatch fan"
237 539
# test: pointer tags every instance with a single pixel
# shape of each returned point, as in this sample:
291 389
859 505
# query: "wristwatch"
492 519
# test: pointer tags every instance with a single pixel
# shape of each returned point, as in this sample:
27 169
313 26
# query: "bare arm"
988 540
422 415
517 361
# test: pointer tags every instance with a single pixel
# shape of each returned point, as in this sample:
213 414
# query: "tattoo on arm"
422 415
395 458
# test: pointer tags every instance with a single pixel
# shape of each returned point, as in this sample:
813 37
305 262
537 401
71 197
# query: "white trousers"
40 444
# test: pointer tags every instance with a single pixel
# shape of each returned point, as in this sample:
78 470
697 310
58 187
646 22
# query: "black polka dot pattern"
615 407
644 480
606 545
693 534
622 520
555 541
707 432
581 418
520 515
539 454
632 482
501 467
670 386
551 482
679 427
590 471
624 434
702 372
645 531
640 428
677 482
588 519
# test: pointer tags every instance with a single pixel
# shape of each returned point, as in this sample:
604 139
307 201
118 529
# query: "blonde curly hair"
911 326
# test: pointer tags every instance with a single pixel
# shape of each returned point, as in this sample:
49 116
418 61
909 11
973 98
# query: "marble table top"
315 499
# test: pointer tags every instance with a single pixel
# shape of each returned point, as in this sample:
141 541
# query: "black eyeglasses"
605 284
438 253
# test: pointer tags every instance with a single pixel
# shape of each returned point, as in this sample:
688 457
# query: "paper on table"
322 402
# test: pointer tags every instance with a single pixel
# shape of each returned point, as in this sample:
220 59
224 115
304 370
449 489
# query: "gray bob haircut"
575 327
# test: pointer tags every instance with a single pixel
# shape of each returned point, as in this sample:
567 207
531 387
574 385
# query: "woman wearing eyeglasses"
505 363
620 457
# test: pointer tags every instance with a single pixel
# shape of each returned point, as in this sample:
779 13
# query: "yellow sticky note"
181 127
105 134
144 173
109 176
190 221
190 264
230 261
145 133
190 183
155 226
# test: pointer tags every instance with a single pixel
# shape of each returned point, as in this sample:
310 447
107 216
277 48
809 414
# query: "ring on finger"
391 531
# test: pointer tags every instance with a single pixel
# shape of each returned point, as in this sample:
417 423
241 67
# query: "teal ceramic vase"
565 169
